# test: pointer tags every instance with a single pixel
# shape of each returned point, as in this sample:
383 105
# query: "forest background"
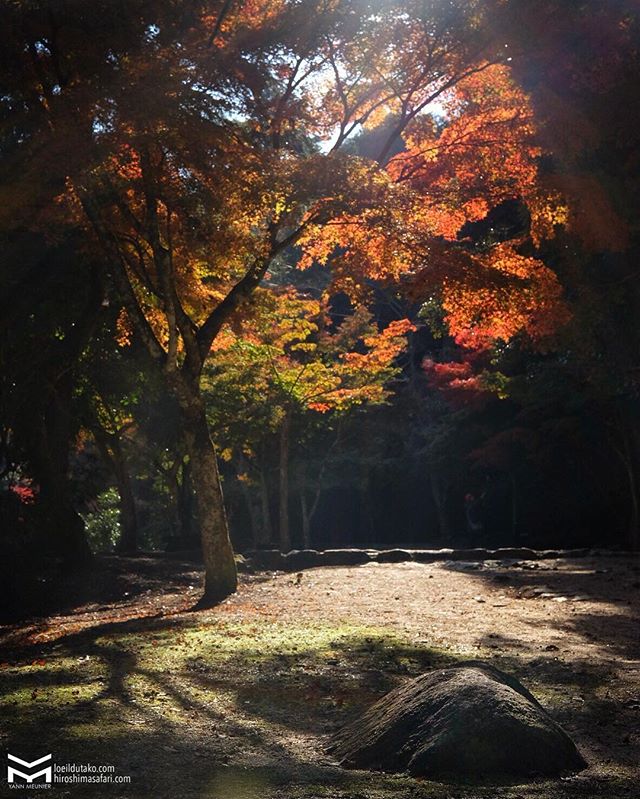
329 273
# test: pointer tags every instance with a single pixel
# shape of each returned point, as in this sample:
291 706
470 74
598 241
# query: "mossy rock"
466 721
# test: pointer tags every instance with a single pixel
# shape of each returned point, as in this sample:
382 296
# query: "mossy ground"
238 702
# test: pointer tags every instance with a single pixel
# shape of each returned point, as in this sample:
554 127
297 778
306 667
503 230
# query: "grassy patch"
221 703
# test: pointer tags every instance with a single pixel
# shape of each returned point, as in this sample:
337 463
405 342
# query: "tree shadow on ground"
316 692
242 723
187 745
199 749
56 588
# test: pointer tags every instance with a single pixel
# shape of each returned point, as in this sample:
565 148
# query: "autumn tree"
195 146
181 137
288 361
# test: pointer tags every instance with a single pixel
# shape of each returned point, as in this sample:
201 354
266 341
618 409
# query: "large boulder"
470 720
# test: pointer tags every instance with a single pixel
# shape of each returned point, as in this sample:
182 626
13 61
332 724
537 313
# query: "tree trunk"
170 477
633 532
515 521
62 523
284 534
439 493
111 450
267 527
221 578
185 506
128 542
249 500
633 525
306 520
366 521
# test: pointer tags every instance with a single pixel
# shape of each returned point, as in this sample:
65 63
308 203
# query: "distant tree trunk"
515 521
249 497
63 525
111 450
267 527
633 534
309 512
128 542
170 476
633 524
185 505
53 434
440 494
366 519
251 512
284 532
221 577
306 521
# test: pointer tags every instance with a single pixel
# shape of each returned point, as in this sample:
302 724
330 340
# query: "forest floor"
238 702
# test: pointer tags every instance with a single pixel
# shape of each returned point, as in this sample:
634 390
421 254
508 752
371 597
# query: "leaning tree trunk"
221 578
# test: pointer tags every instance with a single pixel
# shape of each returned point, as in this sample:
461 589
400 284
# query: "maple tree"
182 138
287 360
483 153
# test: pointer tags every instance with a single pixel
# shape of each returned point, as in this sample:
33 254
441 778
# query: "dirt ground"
238 702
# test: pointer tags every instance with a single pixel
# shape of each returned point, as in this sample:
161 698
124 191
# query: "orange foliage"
486 153
505 293
288 349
